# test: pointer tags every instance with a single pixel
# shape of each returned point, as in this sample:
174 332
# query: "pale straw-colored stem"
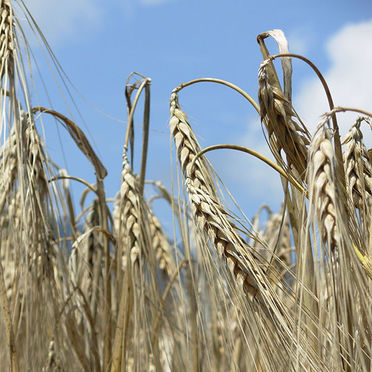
254 153
222 82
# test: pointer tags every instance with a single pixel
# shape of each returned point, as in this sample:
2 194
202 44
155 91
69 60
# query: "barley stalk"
322 188
8 167
127 254
86 259
161 246
285 133
6 38
133 254
209 215
130 219
358 170
277 235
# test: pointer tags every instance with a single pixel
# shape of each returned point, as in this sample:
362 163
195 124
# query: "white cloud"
349 76
64 20
297 44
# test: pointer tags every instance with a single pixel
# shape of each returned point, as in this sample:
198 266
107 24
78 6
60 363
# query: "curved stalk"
146 124
80 139
145 137
320 76
352 109
256 154
81 180
223 82
132 110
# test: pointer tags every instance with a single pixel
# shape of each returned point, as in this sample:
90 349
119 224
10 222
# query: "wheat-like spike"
10 272
277 237
136 260
8 176
358 170
94 246
187 147
272 230
220 325
322 187
41 249
211 218
34 255
8 166
161 246
86 254
275 225
274 237
209 215
129 207
258 238
284 132
6 38
35 159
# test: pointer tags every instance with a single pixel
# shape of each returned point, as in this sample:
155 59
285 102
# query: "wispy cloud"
349 75
67 19
298 44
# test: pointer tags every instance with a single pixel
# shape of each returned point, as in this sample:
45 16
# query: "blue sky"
173 41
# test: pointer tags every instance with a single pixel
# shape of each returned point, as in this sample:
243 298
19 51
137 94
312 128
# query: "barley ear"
285 132
323 193
209 214
358 170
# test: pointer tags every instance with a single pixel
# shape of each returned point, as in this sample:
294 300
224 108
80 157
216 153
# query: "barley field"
101 286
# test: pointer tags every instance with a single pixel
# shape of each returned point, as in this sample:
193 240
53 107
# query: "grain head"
285 132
